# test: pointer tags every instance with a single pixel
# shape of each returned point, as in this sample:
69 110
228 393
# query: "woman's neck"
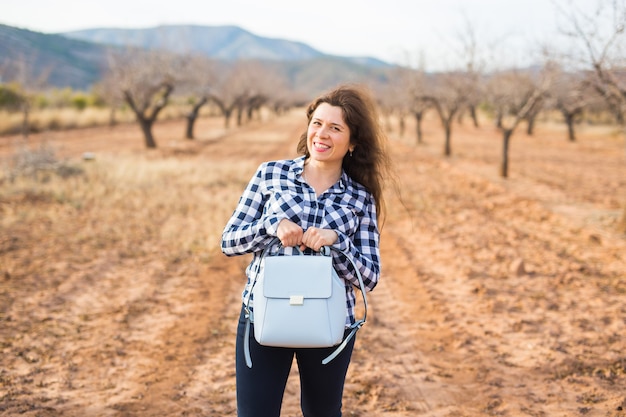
321 176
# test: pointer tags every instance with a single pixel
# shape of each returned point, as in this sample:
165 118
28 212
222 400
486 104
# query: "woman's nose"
322 131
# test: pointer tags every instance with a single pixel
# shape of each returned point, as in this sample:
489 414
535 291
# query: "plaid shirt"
276 192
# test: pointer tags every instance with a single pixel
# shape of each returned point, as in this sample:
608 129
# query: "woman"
329 196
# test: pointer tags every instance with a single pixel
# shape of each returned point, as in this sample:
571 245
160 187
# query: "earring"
350 154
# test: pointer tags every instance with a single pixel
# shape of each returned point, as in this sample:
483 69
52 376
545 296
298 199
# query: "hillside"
53 59
220 42
78 59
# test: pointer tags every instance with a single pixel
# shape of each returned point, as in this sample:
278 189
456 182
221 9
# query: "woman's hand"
315 238
290 234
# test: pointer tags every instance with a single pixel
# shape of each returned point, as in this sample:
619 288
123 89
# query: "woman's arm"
364 249
248 229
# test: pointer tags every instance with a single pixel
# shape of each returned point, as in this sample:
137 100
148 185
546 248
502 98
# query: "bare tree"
470 55
570 94
230 92
265 84
600 43
418 102
515 94
408 90
31 80
283 98
197 83
601 46
146 81
447 94
531 116
243 88
393 97
108 91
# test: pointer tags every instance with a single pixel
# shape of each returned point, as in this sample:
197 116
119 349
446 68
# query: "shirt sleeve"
248 229
363 248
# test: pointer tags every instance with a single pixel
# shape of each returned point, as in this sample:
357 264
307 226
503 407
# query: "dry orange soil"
499 297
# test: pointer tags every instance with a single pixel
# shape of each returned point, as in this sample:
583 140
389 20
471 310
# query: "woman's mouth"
320 146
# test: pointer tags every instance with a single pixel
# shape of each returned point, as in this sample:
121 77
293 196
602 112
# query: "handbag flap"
298 275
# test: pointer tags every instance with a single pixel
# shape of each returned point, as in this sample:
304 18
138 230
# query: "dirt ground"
499 297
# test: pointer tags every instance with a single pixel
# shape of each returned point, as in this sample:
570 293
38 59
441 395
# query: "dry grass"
70 118
133 204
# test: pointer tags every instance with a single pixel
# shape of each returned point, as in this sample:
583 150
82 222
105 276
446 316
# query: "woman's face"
328 136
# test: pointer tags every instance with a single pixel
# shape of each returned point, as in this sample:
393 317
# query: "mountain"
219 42
78 59
34 57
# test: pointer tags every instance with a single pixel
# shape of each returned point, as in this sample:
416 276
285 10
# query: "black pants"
260 389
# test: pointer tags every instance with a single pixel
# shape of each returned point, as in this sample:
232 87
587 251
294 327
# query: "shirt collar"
339 187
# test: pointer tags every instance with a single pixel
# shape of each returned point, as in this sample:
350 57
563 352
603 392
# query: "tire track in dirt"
453 328
200 375
150 329
209 385
399 380
488 258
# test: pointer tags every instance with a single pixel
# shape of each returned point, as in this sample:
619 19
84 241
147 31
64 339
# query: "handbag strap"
354 327
325 250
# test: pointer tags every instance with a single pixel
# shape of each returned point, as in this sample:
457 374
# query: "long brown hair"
369 163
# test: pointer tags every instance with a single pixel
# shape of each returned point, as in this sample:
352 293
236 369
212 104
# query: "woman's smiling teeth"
320 146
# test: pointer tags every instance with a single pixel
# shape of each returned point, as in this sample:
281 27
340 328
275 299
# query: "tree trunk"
448 129
622 225
227 114
112 119
239 116
146 122
418 126
506 139
499 118
25 121
619 117
191 121
146 128
192 116
569 120
530 129
474 116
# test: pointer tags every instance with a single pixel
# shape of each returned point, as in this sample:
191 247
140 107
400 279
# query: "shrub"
34 162
10 98
80 102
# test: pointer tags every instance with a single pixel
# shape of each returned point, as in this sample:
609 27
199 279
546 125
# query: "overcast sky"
393 30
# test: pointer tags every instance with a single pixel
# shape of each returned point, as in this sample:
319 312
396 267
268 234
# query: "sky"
409 32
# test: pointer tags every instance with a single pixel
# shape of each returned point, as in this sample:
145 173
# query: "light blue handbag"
299 301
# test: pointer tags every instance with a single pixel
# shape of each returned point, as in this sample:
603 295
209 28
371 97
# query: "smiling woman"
328 142
367 160
328 197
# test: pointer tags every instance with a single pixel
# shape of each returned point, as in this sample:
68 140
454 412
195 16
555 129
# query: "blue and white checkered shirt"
277 191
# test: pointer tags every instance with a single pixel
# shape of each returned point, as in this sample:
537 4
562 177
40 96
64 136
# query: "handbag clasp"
296 300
